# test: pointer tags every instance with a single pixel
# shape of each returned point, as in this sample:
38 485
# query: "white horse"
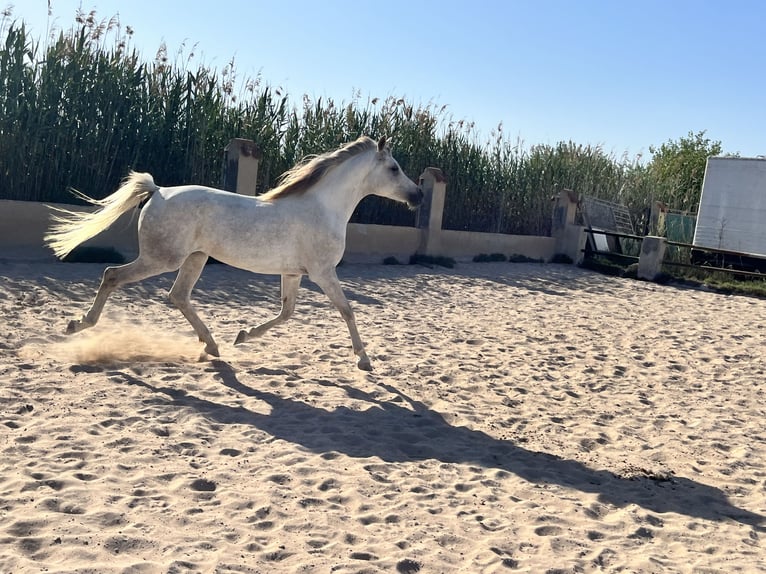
296 229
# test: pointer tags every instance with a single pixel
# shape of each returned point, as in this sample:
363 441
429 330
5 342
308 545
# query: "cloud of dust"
126 344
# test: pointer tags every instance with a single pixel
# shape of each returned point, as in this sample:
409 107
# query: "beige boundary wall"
373 243
23 225
466 244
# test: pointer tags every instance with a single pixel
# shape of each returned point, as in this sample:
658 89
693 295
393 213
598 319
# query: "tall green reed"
83 108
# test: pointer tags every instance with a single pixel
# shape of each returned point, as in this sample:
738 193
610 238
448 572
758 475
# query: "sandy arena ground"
520 418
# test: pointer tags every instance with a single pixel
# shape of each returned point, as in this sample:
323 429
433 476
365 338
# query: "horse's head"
387 179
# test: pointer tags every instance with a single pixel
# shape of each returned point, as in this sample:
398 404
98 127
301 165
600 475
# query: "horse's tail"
70 229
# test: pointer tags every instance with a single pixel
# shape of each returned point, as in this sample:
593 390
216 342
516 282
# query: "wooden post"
240 166
433 183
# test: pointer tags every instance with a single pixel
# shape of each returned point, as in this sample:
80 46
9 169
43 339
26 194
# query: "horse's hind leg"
329 284
290 284
179 296
113 278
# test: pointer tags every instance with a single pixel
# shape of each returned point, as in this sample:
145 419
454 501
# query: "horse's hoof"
75 327
241 338
212 349
364 364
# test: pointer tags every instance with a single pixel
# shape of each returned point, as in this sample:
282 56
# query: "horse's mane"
312 168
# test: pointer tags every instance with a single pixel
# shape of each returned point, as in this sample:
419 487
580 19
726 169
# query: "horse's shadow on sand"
405 430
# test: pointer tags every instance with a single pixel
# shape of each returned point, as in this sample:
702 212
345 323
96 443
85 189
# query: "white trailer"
732 211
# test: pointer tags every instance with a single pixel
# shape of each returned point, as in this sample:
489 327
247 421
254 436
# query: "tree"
678 168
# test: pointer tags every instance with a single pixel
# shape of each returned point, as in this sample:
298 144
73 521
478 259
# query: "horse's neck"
341 190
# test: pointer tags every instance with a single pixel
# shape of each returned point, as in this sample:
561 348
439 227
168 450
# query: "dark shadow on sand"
405 431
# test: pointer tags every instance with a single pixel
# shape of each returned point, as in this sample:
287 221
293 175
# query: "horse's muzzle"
415 199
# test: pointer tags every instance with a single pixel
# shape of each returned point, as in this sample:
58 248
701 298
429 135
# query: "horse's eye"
394 168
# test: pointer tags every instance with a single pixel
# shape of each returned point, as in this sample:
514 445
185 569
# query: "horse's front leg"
290 284
180 295
329 284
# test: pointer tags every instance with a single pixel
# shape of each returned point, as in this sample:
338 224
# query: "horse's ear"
382 143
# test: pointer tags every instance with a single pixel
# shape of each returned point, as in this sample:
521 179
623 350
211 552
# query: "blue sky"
622 75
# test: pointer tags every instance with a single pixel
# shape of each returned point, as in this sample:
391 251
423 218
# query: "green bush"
432 260
492 257
516 258
562 258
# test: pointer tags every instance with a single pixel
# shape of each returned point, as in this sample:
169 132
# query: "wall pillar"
651 257
570 238
430 216
657 219
240 166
